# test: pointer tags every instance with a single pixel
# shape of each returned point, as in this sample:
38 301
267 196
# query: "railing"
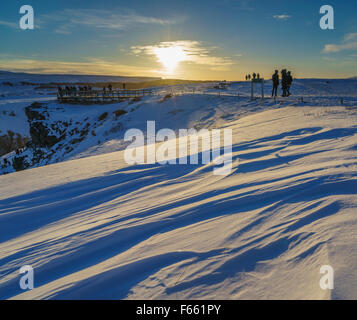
98 96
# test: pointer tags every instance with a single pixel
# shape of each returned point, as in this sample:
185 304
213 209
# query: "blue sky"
219 39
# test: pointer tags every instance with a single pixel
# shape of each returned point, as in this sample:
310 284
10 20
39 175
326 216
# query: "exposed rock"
51 138
119 113
42 134
34 115
19 163
103 116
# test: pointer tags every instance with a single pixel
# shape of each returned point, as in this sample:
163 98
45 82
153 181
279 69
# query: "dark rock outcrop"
19 163
42 134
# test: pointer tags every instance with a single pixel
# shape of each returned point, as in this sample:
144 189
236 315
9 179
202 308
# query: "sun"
170 57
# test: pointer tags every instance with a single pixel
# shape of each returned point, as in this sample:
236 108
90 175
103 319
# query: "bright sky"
206 40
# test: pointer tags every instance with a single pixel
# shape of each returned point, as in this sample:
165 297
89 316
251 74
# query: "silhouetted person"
258 76
284 82
68 91
289 82
275 80
254 76
60 91
110 87
124 86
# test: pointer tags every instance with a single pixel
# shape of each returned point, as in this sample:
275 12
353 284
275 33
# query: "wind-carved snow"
97 228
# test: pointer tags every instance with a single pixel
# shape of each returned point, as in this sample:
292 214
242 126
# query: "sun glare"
170 57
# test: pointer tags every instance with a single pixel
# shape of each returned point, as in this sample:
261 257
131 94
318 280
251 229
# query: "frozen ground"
94 227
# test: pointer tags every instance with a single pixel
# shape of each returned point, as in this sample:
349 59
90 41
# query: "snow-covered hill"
93 226
16 77
62 132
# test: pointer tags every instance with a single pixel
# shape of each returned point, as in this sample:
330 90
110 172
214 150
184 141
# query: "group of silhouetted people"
82 91
286 82
110 88
73 90
109 91
254 76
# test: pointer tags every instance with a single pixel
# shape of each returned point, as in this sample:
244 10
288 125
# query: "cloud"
15 25
9 24
350 36
349 43
282 16
193 52
118 19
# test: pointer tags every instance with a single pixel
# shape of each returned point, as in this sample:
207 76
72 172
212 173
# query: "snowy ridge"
94 227
18 77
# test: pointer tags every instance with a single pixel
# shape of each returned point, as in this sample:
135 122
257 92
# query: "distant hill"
67 78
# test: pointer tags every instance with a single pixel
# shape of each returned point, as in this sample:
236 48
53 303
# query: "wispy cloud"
349 43
350 36
194 52
117 19
12 25
282 16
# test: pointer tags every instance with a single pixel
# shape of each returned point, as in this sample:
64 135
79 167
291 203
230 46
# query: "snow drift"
93 227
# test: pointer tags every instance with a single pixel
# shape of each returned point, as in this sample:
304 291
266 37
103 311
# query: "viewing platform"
101 96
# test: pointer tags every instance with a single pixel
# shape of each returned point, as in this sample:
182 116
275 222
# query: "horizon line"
158 78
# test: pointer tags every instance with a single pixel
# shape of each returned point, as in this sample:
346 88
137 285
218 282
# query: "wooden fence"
100 96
